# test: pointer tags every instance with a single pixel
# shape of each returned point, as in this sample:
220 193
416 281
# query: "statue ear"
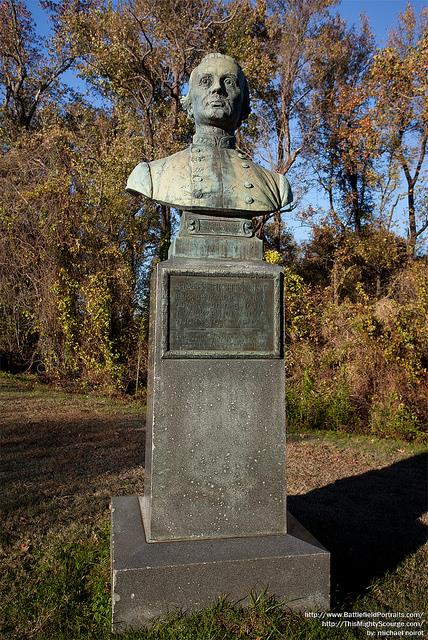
186 103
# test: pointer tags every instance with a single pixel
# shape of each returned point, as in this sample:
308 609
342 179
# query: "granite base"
152 579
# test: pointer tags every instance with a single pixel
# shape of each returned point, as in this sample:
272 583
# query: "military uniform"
211 174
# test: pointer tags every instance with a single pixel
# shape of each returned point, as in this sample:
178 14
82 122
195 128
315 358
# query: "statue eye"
230 82
205 81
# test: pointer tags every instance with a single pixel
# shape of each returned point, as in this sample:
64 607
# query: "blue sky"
382 14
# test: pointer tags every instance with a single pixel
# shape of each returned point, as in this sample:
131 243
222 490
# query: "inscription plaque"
222 316
219 226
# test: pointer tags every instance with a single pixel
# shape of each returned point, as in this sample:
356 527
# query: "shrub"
359 363
312 404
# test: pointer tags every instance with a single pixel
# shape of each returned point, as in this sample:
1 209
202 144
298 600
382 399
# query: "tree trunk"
411 247
259 226
278 231
335 284
355 204
165 232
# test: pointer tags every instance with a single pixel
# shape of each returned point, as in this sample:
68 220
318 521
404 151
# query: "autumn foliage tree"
71 248
29 77
328 109
399 86
343 147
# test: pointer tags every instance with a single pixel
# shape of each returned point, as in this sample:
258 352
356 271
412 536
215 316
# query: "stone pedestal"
213 518
215 424
150 580
206 238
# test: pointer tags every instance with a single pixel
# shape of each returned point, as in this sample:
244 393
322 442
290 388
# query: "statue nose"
216 87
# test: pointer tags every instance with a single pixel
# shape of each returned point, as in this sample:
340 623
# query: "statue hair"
186 101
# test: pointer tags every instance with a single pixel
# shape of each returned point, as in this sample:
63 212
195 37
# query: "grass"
65 455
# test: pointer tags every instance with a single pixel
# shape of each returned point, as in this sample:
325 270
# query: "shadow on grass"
59 469
368 522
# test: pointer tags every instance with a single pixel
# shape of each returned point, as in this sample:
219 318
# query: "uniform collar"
221 142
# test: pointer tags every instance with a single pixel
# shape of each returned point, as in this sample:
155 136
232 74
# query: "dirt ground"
63 456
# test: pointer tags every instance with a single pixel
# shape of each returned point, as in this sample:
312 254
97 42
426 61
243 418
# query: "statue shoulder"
140 180
278 185
285 193
146 176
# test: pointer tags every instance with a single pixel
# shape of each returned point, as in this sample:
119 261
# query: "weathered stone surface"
150 580
215 449
221 248
212 237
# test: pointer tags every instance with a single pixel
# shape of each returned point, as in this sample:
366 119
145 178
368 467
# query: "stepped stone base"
153 579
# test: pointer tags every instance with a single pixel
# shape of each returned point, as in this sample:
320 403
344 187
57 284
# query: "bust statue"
212 175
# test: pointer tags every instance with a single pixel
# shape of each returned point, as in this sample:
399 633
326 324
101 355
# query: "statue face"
216 94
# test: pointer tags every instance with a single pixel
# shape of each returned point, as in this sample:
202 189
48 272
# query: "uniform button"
197 193
241 155
248 185
245 165
249 200
197 178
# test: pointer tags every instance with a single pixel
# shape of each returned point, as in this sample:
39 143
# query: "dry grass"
63 456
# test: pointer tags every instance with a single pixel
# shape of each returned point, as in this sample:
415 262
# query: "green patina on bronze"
212 175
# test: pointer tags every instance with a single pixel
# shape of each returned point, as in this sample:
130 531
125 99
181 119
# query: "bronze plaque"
222 315
219 226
